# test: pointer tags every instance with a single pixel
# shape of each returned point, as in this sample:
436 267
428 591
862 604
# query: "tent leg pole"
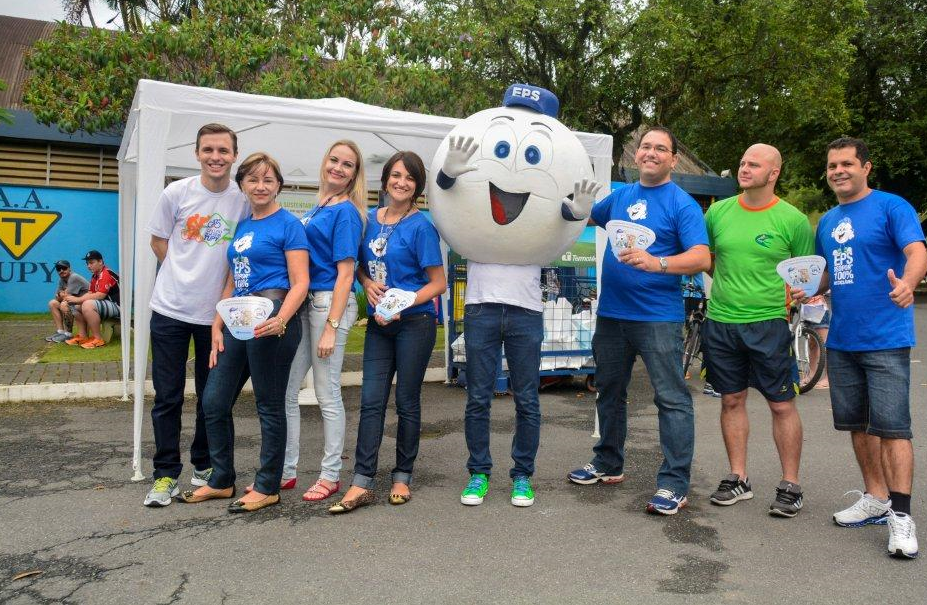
137 474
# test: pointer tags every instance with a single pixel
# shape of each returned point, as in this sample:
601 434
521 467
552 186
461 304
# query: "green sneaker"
164 489
476 490
522 492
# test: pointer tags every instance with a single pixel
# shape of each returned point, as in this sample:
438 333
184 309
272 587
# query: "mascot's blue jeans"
487 327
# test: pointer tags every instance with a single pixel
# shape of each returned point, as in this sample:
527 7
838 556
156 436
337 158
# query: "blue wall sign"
40 225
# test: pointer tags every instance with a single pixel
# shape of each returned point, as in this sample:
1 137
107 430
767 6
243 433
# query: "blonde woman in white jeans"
334 229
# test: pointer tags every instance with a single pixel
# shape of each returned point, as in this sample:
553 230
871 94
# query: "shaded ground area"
67 509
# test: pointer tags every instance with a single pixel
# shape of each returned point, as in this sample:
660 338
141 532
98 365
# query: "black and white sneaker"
731 491
788 500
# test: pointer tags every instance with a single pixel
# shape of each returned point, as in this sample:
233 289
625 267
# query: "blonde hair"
357 188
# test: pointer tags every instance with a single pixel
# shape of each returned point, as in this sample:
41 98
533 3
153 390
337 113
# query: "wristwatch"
334 322
663 264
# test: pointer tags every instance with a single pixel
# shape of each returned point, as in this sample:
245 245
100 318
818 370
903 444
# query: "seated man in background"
69 283
99 303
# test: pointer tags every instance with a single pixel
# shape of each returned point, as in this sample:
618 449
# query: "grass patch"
59 352
356 340
62 353
28 317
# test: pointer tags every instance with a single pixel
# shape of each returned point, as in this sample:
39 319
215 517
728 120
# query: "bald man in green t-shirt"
746 337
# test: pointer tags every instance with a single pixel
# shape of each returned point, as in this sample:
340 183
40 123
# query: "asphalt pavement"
69 511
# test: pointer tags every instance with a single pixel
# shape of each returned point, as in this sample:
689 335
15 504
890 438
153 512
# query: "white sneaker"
201 478
865 511
902 536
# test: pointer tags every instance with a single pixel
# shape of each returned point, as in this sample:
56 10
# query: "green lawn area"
62 353
356 340
27 317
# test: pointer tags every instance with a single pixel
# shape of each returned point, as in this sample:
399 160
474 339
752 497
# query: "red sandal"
320 491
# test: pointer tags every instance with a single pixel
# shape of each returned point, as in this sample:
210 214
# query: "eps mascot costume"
512 184
510 188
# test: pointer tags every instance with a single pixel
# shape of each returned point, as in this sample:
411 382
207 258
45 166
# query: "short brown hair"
215 128
862 151
414 166
253 162
674 143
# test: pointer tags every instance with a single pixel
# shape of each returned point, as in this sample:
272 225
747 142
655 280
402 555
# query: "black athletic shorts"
757 354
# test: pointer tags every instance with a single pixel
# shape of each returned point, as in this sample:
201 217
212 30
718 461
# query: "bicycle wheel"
691 345
808 372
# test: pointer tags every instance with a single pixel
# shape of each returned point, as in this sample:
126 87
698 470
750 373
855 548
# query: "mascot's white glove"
459 152
580 206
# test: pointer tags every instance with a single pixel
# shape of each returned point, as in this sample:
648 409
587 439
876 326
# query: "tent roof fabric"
295 131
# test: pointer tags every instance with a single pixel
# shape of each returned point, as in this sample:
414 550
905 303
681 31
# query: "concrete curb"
18 393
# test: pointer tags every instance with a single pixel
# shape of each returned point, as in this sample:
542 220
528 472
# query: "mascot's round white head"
502 183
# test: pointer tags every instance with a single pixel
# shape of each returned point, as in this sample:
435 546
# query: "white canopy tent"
159 143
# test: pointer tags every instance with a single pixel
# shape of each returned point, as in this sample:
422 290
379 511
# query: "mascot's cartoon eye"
532 155
499 144
535 152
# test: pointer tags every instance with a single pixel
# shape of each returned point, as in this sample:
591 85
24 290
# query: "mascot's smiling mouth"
506 206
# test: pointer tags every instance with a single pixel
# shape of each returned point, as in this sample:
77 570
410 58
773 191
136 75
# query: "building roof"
16 36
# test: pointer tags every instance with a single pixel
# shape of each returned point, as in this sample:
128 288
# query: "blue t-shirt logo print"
638 210
843 232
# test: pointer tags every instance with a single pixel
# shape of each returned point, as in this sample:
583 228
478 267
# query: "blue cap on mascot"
539 99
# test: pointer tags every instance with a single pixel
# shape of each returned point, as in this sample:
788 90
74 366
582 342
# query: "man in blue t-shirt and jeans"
875 254
641 313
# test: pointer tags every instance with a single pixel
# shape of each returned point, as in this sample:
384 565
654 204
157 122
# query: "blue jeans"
268 361
402 349
170 345
487 327
615 346
869 391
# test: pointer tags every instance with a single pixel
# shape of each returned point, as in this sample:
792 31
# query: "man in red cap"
99 303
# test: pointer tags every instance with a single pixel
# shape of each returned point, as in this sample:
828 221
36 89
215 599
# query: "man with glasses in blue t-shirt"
641 313
875 254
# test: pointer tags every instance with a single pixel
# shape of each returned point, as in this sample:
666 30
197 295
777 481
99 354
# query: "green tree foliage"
722 73
887 95
577 49
367 50
728 73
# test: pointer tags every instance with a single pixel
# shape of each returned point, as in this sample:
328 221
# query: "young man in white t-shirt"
191 228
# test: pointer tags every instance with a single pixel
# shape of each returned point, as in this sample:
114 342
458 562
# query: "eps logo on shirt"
843 232
638 210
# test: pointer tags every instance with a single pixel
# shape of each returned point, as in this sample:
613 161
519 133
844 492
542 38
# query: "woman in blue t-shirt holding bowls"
268 258
400 250
334 229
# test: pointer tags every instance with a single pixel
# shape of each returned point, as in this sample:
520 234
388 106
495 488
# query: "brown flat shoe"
190 497
398 499
346 506
249 507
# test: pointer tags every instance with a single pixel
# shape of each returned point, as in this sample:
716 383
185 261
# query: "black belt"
272 293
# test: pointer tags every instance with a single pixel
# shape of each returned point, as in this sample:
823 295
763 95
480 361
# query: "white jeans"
326 378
